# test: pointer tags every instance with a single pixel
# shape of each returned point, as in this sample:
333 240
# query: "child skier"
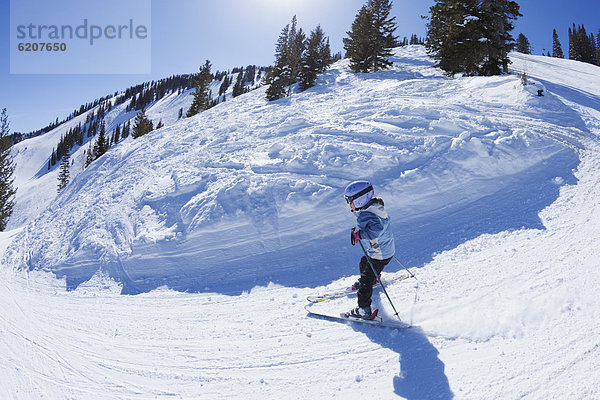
374 231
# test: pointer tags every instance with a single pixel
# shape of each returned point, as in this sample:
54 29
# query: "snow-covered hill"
37 184
247 186
493 191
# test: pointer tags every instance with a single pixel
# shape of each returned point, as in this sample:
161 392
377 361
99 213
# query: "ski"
351 289
377 320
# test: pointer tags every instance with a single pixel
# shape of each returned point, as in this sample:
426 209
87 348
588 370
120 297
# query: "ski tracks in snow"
95 343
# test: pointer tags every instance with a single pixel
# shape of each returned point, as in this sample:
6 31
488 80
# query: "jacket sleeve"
370 226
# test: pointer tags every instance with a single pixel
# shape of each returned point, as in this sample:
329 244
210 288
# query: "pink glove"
354 236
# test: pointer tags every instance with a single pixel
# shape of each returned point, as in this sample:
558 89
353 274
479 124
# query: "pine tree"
297 52
63 175
598 48
593 49
101 143
296 48
371 39
358 44
224 85
316 58
496 17
89 156
587 50
523 45
238 87
117 133
572 44
325 57
556 47
582 47
79 137
471 36
201 95
384 27
278 77
141 125
455 36
289 53
7 168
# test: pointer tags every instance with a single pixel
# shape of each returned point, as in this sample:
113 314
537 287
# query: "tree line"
140 96
583 47
472 37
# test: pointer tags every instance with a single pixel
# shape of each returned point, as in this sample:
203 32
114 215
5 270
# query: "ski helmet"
359 192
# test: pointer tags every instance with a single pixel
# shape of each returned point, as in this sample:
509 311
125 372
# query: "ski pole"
407 270
375 275
416 288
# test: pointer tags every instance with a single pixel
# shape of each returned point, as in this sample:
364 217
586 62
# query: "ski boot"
362 313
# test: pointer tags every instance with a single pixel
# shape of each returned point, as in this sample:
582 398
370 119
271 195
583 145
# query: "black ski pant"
367 279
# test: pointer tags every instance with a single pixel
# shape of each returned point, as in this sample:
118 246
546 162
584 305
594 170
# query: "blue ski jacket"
375 231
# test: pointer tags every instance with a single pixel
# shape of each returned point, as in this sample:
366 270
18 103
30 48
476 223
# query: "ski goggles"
350 199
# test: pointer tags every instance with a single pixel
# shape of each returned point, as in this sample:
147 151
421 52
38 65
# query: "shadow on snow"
421 372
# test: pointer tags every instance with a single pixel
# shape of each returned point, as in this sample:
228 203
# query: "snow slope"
37 185
247 186
494 196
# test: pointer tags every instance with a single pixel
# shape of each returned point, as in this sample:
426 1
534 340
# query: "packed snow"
178 264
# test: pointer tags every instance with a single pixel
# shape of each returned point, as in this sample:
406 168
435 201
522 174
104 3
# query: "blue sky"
234 33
